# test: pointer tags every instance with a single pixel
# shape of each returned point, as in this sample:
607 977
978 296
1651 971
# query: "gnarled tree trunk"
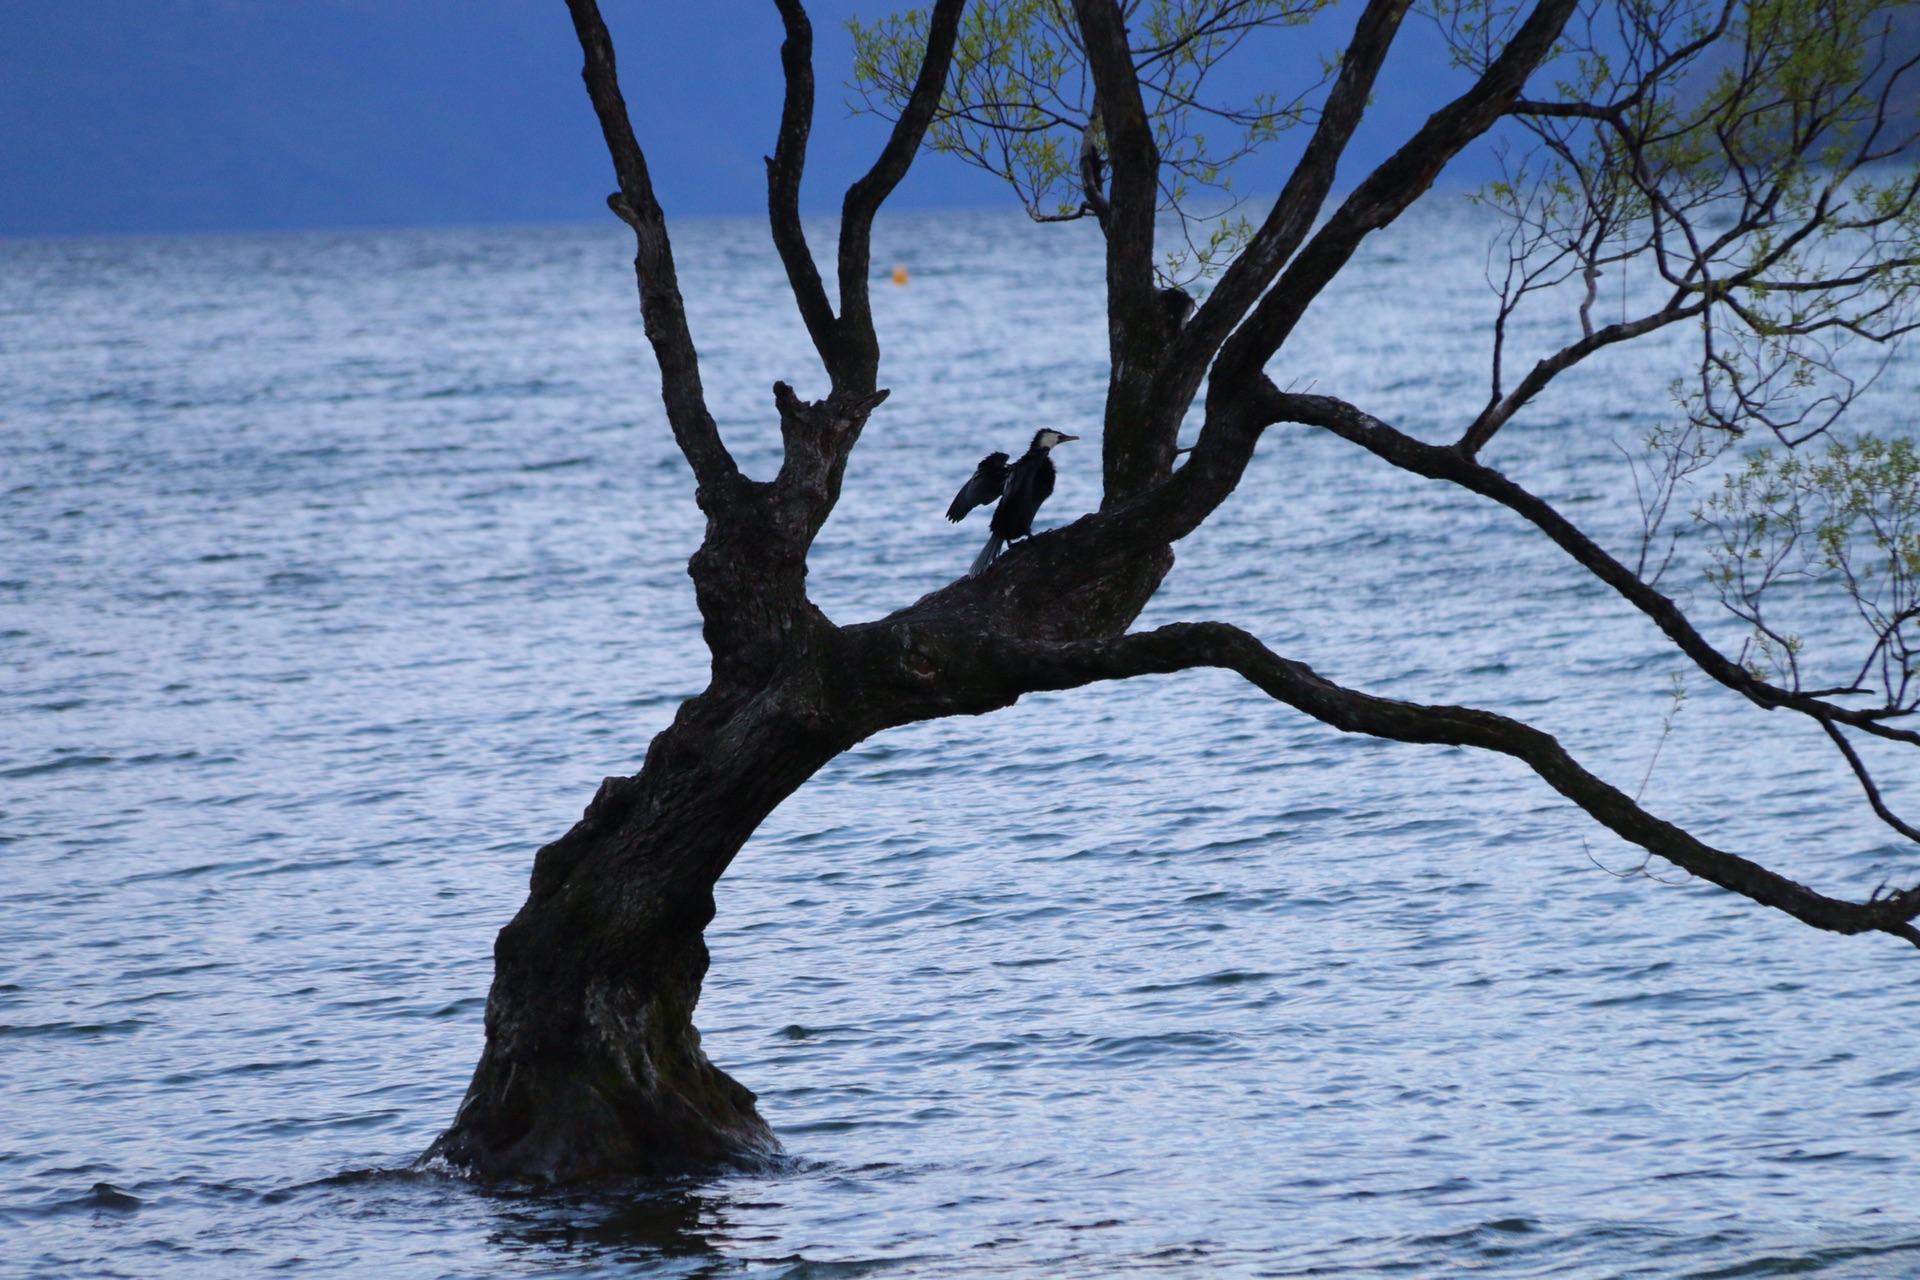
593 1066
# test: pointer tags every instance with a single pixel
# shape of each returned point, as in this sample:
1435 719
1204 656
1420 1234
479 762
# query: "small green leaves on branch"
1021 105
1847 519
1739 165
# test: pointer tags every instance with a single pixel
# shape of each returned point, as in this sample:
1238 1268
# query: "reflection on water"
681 1223
337 570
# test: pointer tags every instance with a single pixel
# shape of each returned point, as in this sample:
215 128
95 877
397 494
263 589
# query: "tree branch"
661 307
1133 160
1181 646
856 363
1135 330
1287 223
1387 192
1565 110
1497 414
784 169
1867 786
1437 463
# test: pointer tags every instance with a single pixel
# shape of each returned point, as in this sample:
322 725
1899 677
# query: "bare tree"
1735 152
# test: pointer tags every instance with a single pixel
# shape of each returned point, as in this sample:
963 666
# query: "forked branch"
1389 190
1501 411
1292 214
1740 156
847 344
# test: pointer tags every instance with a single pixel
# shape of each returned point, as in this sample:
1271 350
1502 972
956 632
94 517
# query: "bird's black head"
1047 437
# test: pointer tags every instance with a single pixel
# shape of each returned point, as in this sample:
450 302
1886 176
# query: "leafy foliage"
1020 104
1849 516
1738 157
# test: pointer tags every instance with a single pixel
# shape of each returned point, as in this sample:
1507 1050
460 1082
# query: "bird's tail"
987 554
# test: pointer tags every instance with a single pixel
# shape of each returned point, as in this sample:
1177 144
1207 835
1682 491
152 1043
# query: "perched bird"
1176 306
1029 482
983 487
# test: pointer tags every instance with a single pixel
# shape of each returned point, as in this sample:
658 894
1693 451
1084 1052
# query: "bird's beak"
1064 437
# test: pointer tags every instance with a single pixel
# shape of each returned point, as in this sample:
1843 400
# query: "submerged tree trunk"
593 1066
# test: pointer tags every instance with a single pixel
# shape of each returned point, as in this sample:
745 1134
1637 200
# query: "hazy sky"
214 115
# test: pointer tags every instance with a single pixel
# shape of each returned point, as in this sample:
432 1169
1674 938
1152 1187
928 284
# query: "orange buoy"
899 274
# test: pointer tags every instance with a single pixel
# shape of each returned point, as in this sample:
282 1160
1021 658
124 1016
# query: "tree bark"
593 1067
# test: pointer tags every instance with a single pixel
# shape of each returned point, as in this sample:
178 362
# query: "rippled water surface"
335 571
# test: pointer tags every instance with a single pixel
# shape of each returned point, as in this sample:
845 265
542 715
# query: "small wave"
56 766
1224 978
75 1030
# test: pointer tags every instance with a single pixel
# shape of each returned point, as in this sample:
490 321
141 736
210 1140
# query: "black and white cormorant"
1029 482
983 487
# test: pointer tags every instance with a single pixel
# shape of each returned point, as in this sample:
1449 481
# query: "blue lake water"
336 570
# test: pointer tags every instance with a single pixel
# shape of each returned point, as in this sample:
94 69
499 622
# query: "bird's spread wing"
964 501
982 487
